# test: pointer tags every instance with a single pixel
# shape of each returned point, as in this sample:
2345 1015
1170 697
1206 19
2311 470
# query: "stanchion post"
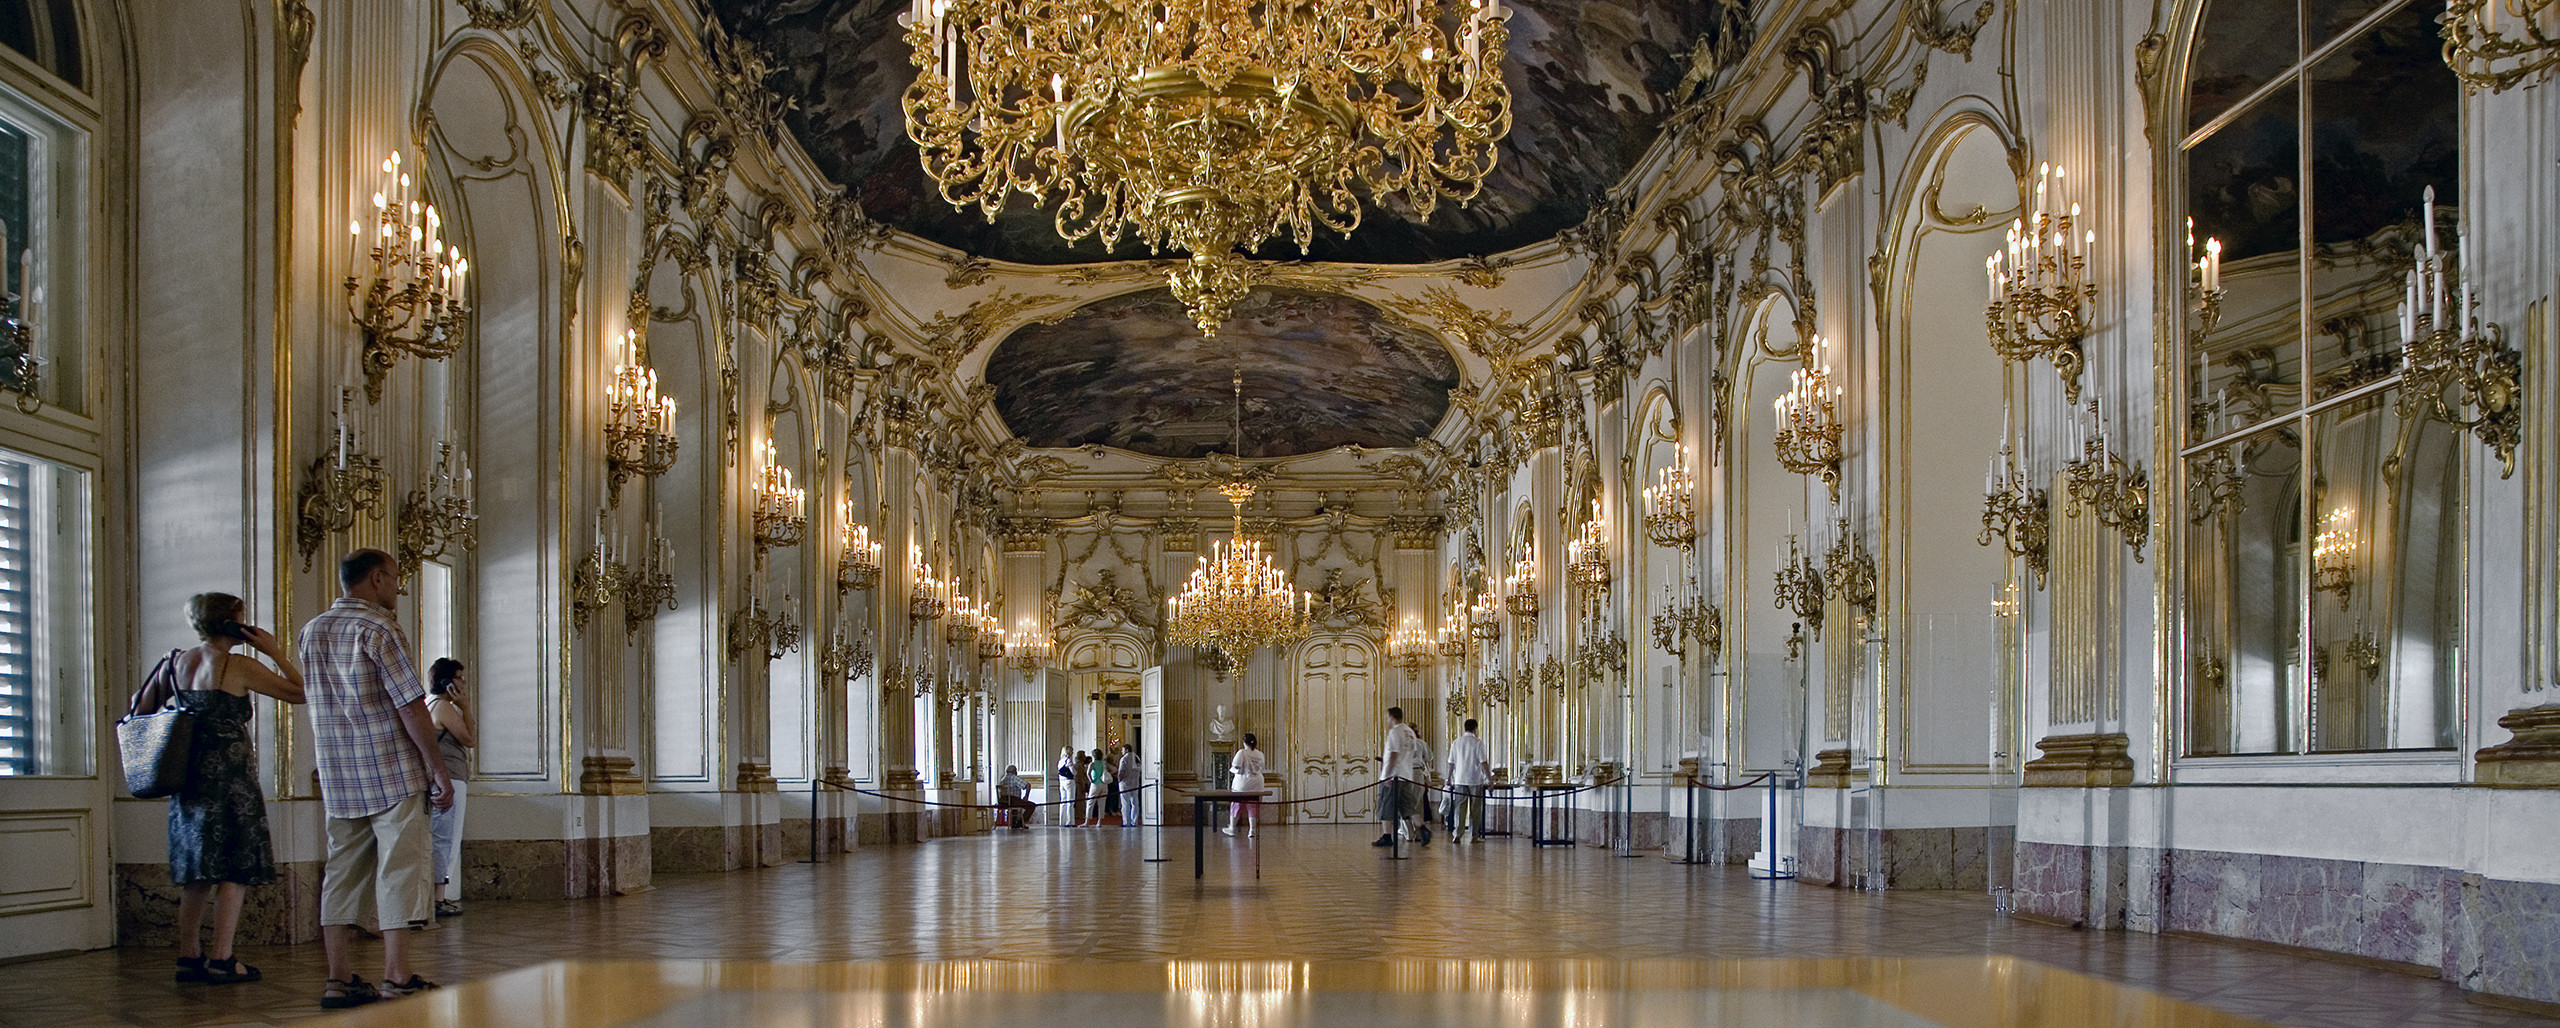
813 820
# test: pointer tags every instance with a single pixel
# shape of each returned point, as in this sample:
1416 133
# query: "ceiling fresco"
1588 80
1320 371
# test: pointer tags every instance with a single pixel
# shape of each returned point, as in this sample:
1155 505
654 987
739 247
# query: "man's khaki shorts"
381 870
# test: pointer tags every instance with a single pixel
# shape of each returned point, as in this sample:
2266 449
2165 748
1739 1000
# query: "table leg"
1199 836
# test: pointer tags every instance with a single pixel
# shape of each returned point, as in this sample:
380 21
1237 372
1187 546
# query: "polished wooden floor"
999 929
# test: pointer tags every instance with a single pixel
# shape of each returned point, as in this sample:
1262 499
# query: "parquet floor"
1087 897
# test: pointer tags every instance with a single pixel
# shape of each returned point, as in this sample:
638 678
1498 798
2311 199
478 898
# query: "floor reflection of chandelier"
1238 600
1207 125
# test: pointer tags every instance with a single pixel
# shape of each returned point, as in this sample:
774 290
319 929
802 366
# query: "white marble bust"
1221 727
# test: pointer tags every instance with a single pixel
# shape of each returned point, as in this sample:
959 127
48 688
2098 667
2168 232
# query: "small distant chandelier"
781 513
858 564
1028 647
1208 126
1411 647
2041 292
1587 554
405 284
1484 616
639 424
1670 515
1808 419
1520 588
1238 600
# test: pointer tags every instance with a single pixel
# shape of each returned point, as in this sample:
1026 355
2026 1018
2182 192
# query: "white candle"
2427 220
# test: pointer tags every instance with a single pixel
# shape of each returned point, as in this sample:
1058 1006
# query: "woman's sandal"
228 972
190 969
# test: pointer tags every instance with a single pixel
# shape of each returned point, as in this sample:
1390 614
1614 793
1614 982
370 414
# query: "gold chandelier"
1210 126
1238 600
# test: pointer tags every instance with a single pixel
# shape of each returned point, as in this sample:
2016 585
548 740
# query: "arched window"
2321 530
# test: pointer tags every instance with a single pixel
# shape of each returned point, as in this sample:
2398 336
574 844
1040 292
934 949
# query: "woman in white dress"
1248 778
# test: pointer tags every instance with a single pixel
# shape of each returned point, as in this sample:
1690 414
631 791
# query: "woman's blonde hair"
206 610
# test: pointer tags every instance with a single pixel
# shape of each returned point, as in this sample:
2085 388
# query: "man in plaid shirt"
378 770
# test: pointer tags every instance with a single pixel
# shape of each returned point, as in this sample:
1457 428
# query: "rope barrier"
1761 777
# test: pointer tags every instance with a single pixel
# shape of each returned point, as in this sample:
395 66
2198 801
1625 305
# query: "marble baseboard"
795 836
1908 858
2491 936
615 866
678 849
2507 941
535 869
279 913
2074 885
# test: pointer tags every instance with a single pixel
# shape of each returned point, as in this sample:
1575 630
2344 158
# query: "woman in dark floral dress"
218 843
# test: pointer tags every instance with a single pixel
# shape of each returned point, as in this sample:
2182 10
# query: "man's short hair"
356 567
1471 724
1396 713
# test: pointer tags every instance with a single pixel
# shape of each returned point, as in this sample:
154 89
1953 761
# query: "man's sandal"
354 992
228 972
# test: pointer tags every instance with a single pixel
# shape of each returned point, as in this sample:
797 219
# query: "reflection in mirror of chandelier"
1206 127
341 482
780 514
2041 294
1411 647
1799 585
2500 44
1807 416
1670 515
437 517
21 371
2207 282
404 283
2334 555
639 424
2451 360
2115 491
858 562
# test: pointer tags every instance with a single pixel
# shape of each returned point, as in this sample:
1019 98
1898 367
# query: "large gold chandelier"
1209 126
1238 600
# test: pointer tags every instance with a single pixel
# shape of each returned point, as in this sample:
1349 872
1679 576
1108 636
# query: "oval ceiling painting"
1320 371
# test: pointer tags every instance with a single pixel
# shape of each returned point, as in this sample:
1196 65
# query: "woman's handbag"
158 747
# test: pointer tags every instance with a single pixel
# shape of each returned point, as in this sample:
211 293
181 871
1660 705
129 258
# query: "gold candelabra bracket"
2019 516
1849 571
2497 45
2041 293
1809 431
594 584
340 483
437 518
1800 588
405 284
2115 491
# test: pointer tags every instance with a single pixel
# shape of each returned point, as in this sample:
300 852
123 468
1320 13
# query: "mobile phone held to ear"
234 630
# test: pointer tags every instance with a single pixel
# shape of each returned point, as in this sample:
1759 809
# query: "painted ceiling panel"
1588 80
1320 371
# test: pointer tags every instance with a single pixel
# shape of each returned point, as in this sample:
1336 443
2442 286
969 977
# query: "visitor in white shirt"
1469 772
1401 798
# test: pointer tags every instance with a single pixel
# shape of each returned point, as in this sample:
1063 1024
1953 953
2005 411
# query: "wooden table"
1200 802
